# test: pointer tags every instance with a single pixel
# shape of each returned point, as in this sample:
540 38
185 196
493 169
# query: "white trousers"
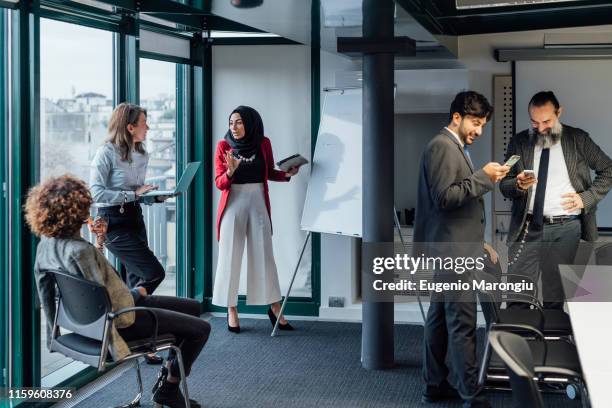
246 219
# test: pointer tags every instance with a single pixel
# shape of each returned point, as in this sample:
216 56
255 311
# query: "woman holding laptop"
243 165
117 183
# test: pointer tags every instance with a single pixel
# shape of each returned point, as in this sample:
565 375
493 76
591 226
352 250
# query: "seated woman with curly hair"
55 211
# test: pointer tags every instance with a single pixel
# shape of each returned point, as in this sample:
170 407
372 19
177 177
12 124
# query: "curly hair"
58 207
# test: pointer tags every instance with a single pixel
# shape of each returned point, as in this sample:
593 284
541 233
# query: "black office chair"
84 308
551 322
516 355
556 360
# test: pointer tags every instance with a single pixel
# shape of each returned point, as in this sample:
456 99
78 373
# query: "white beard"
548 139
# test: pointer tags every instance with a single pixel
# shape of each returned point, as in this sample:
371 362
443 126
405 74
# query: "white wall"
585 100
412 133
275 80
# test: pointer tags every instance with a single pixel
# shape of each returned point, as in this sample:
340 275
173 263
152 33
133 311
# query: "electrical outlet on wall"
336 301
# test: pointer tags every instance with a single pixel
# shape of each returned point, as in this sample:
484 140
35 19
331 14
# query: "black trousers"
451 327
177 316
126 238
543 251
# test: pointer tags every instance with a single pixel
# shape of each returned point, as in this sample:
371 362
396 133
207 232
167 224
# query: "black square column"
378 47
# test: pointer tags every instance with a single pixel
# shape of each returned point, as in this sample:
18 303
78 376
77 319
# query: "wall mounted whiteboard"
333 198
584 89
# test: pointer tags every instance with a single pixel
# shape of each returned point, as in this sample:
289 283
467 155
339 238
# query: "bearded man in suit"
554 204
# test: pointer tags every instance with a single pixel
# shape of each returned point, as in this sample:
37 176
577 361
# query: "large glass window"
158 96
76 101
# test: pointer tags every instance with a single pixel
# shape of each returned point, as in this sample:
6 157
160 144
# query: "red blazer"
224 183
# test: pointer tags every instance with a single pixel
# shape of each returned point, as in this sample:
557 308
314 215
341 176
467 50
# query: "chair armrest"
513 295
513 328
518 328
537 307
153 339
547 370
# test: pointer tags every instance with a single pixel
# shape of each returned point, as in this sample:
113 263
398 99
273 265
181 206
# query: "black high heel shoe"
235 329
161 377
281 326
153 359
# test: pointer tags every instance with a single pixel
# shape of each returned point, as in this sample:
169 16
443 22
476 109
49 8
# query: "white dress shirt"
110 176
456 136
557 183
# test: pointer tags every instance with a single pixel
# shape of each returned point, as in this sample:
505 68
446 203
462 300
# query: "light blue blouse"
110 177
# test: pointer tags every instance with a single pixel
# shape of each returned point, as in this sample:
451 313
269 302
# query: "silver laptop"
183 184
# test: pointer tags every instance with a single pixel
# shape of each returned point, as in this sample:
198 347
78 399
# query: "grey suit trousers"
540 257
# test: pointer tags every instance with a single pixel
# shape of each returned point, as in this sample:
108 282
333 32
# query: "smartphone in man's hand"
529 173
512 160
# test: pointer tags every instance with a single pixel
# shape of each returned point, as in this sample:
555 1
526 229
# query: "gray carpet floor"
315 366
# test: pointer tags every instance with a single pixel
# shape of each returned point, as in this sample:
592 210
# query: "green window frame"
4 316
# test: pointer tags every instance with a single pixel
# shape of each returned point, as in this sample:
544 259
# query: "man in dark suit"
450 222
554 205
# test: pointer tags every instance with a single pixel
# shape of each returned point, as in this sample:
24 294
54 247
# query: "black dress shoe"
170 395
153 359
440 393
281 326
233 329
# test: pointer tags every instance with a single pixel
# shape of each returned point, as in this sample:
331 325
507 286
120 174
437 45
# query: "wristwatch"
125 198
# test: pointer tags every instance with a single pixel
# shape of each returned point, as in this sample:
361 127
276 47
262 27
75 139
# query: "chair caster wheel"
572 392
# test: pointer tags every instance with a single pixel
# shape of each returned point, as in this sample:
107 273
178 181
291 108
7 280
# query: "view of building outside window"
74 117
76 101
158 97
